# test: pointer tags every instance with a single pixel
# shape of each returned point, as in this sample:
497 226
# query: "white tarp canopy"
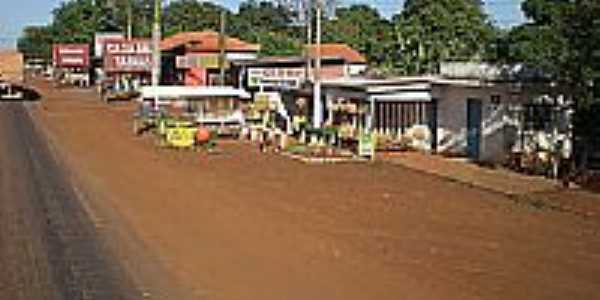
424 96
191 92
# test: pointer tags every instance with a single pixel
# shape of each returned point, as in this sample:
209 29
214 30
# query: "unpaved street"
164 224
49 247
241 225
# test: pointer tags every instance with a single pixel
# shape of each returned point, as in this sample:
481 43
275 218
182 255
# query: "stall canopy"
178 92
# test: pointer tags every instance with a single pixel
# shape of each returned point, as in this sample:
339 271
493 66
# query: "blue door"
473 128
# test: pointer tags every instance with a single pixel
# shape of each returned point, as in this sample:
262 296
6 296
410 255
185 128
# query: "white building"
484 121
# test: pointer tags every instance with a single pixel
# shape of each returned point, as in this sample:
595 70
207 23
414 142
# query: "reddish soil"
537 191
243 225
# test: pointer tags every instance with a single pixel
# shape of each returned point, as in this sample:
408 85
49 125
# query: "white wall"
497 134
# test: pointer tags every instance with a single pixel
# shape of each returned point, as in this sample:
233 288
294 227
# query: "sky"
20 13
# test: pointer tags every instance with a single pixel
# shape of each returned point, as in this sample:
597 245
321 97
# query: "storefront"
127 65
394 109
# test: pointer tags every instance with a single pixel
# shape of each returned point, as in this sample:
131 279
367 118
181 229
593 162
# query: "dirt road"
241 225
49 247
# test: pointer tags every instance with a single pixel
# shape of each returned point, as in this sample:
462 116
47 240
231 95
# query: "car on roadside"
10 91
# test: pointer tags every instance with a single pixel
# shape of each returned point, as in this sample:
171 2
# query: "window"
537 117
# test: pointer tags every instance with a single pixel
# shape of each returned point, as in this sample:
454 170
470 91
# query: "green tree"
192 15
264 23
363 28
429 32
77 21
562 40
539 43
36 42
142 16
260 15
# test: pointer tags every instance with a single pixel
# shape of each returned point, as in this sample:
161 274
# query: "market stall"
217 109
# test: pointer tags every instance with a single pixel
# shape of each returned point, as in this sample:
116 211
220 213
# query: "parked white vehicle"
9 91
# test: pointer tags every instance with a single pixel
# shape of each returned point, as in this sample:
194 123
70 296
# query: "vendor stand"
348 117
267 120
182 115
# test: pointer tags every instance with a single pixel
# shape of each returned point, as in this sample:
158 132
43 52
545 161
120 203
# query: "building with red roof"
205 41
192 58
338 50
354 62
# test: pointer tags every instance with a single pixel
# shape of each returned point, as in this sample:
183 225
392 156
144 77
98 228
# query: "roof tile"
205 41
338 50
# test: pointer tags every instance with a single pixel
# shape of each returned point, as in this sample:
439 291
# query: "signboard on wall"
204 61
127 56
100 40
366 145
276 77
267 100
71 55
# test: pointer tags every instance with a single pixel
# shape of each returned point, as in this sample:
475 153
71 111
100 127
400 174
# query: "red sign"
127 56
71 55
101 37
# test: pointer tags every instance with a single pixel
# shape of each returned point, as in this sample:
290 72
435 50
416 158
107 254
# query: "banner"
126 56
100 40
204 61
71 55
276 77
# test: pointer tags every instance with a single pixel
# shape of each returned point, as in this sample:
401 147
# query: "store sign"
366 145
100 40
181 137
71 55
276 77
127 56
267 100
204 61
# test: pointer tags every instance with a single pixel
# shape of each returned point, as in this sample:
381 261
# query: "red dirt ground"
242 225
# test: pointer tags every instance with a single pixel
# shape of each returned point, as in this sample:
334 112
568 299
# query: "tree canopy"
267 24
562 39
429 32
364 29
191 15
560 35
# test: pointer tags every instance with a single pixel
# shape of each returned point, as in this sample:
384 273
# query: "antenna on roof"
302 10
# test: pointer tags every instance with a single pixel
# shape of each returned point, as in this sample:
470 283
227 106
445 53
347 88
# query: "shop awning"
410 96
191 92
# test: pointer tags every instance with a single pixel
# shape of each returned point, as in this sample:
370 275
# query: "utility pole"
156 36
129 21
317 103
222 41
309 43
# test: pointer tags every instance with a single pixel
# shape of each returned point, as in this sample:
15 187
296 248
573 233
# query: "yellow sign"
205 61
181 137
262 102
